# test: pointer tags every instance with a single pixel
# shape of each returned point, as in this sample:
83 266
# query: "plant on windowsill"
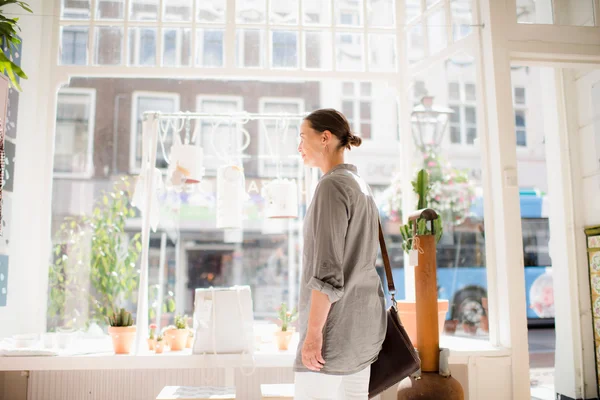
9 42
190 339
159 345
286 318
94 262
178 336
122 330
151 338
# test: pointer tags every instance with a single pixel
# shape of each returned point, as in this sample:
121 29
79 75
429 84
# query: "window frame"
91 134
200 33
84 30
357 98
239 100
133 135
137 46
262 101
462 103
518 107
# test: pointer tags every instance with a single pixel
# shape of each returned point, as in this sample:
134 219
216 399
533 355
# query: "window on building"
519 101
74 137
357 106
147 101
142 46
210 54
74 45
278 143
463 122
225 138
284 49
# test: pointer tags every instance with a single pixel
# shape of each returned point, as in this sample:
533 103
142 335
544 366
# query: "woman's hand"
311 351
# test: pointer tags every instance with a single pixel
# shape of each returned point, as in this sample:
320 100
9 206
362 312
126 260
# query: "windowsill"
267 356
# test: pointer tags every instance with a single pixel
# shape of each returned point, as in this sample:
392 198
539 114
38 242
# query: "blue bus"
461 268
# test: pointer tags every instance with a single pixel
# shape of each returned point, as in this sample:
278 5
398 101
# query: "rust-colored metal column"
427 305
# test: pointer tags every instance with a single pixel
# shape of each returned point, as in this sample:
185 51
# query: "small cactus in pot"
286 318
121 330
159 345
178 336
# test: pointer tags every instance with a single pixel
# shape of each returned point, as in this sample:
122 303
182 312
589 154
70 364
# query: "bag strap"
386 264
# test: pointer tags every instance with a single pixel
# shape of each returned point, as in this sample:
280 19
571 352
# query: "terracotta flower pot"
408 315
189 342
122 338
159 346
151 343
177 338
283 339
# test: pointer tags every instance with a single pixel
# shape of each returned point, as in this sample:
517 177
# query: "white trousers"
317 386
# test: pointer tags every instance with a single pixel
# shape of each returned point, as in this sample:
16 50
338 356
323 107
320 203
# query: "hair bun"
355 140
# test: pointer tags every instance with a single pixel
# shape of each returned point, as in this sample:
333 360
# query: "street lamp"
428 123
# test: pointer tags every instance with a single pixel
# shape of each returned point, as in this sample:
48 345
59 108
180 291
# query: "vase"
283 339
177 338
122 338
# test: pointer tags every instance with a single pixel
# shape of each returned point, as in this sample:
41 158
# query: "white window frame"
262 149
356 99
91 128
179 33
69 28
135 96
199 36
462 103
522 108
240 48
239 100
271 51
137 43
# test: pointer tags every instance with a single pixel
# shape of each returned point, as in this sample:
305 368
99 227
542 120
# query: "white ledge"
461 349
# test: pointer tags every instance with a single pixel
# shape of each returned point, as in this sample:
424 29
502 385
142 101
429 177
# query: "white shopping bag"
223 321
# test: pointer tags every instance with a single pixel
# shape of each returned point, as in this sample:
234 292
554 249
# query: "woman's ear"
326 137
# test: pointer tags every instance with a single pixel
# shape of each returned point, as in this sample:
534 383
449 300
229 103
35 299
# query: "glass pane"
413 9
455 116
250 11
436 31
365 89
470 115
283 12
349 52
250 48
317 50
274 140
110 9
382 52
142 46
365 110
143 10
348 89
577 13
348 109
415 48
462 18
471 135
72 152
520 119
534 11
222 138
74 43
75 9
431 3
152 103
470 92
521 138
382 13
365 131
348 12
209 48
109 45
316 12
211 10
284 50
454 91
519 95
177 46
455 134
179 10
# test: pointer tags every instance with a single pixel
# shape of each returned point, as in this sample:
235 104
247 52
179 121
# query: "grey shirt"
340 249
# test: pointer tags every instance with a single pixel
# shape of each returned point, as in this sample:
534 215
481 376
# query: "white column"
575 372
30 236
505 270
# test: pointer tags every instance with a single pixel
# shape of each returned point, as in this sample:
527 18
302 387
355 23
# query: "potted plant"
121 330
284 335
190 339
9 44
178 336
164 332
151 338
160 344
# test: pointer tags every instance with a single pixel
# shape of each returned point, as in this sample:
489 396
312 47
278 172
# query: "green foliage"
421 186
181 322
286 317
159 338
121 318
95 260
9 41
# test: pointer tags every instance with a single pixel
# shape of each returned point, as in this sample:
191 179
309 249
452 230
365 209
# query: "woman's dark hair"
328 119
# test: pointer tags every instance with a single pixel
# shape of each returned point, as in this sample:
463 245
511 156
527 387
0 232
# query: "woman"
342 308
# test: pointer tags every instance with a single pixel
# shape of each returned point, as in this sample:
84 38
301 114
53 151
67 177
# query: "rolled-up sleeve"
329 223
